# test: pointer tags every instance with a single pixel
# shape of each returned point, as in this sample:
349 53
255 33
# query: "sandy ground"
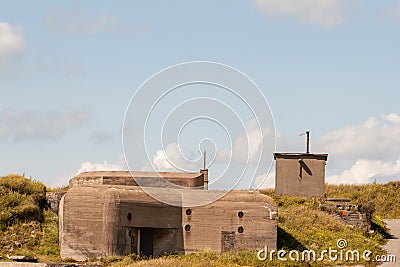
393 245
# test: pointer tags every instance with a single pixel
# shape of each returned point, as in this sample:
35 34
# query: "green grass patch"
22 200
385 197
26 227
301 226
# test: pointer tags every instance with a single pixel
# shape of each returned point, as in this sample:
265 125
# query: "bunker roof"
301 156
126 178
186 175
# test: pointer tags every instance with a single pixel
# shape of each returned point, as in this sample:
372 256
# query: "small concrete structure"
107 214
348 212
300 174
53 200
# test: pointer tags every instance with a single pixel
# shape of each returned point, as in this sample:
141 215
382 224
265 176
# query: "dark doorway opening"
146 242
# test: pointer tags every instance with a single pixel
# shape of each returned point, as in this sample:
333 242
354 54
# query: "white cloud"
54 65
357 153
61 179
370 146
11 43
289 143
39 125
320 12
392 117
392 12
100 137
264 181
377 139
12 48
365 171
369 150
73 21
171 159
105 166
248 146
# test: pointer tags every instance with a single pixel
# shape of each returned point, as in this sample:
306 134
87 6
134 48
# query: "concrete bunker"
106 214
300 174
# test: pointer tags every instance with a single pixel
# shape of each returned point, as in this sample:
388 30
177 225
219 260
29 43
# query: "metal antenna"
308 141
204 160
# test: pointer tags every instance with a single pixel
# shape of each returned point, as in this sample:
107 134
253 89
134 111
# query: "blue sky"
69 69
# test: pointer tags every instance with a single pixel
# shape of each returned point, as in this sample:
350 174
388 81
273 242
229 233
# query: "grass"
301 225
39 240
27 228
48 249
202 259
384 197
22 200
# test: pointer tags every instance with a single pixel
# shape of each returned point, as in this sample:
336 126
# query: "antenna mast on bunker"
204 171
307 133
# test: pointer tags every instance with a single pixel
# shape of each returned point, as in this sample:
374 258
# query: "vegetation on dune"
384 197
28 228
23 200
34 239
200 259
301 226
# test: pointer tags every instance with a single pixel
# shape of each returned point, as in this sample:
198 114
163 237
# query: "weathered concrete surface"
299 174
393 245
53 200
349 213
150 179
98 220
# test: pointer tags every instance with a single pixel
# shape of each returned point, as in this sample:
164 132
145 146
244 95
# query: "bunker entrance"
152 242
146 241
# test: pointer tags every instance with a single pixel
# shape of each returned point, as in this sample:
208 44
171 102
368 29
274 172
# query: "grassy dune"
27 228
384 197
301 225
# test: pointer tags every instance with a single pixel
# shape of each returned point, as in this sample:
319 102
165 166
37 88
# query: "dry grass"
384 197
301 225
26 227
